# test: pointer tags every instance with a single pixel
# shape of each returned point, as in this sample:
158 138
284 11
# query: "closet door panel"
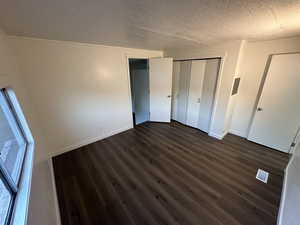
195 92
175 89
184 78
208 93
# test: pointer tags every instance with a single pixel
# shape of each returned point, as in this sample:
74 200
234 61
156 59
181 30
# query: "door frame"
217 90
258 96
127 57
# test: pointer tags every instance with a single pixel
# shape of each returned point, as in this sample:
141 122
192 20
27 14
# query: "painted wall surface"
253 64
289 212
233 98
74 90
80 91
230 53
41 208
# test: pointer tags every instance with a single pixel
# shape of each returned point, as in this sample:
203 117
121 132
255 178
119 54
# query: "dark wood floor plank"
222 165
149 186
124 188
130 176
221 183
231 152
169 174
227 192
173 200
102 192
227 161
76 211
176 185
220 174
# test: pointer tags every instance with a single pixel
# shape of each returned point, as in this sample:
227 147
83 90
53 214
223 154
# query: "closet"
194 85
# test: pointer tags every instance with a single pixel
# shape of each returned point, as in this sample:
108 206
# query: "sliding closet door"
175 89
195 92
184 81
208 93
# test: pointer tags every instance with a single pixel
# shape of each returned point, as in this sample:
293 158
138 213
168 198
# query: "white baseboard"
89 141
283 192
237 133
218 136
56 206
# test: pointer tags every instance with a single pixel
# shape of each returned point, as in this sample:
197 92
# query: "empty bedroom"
150 112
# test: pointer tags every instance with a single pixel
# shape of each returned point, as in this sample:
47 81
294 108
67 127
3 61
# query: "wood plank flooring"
169 174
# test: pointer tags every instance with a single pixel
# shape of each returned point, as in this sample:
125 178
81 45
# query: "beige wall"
80 91
73 94
230 54
289 207
252 67
41 209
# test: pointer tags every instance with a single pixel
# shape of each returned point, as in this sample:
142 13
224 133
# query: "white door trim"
127 57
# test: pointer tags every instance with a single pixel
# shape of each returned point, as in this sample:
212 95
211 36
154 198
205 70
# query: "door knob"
259 109
198 100
169 96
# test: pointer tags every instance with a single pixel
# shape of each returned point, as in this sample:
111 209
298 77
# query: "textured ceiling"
151 24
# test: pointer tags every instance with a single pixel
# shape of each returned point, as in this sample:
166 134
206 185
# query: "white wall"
80 91
290 202
230 53
253 63
252 66
233 98
41 209
69 93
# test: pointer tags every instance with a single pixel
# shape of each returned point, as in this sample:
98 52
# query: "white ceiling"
151 24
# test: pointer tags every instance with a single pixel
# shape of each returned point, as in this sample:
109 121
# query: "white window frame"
19 211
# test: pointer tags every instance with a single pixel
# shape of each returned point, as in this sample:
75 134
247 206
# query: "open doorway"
140 90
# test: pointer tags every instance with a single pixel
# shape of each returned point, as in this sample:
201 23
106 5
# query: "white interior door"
195 92
184 83
277 118
160 74
175 89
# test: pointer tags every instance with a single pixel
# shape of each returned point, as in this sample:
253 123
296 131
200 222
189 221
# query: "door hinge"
293 144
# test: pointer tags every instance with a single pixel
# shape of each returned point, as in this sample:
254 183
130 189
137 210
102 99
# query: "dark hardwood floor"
169 174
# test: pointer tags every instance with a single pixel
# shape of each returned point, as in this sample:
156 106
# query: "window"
12 151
